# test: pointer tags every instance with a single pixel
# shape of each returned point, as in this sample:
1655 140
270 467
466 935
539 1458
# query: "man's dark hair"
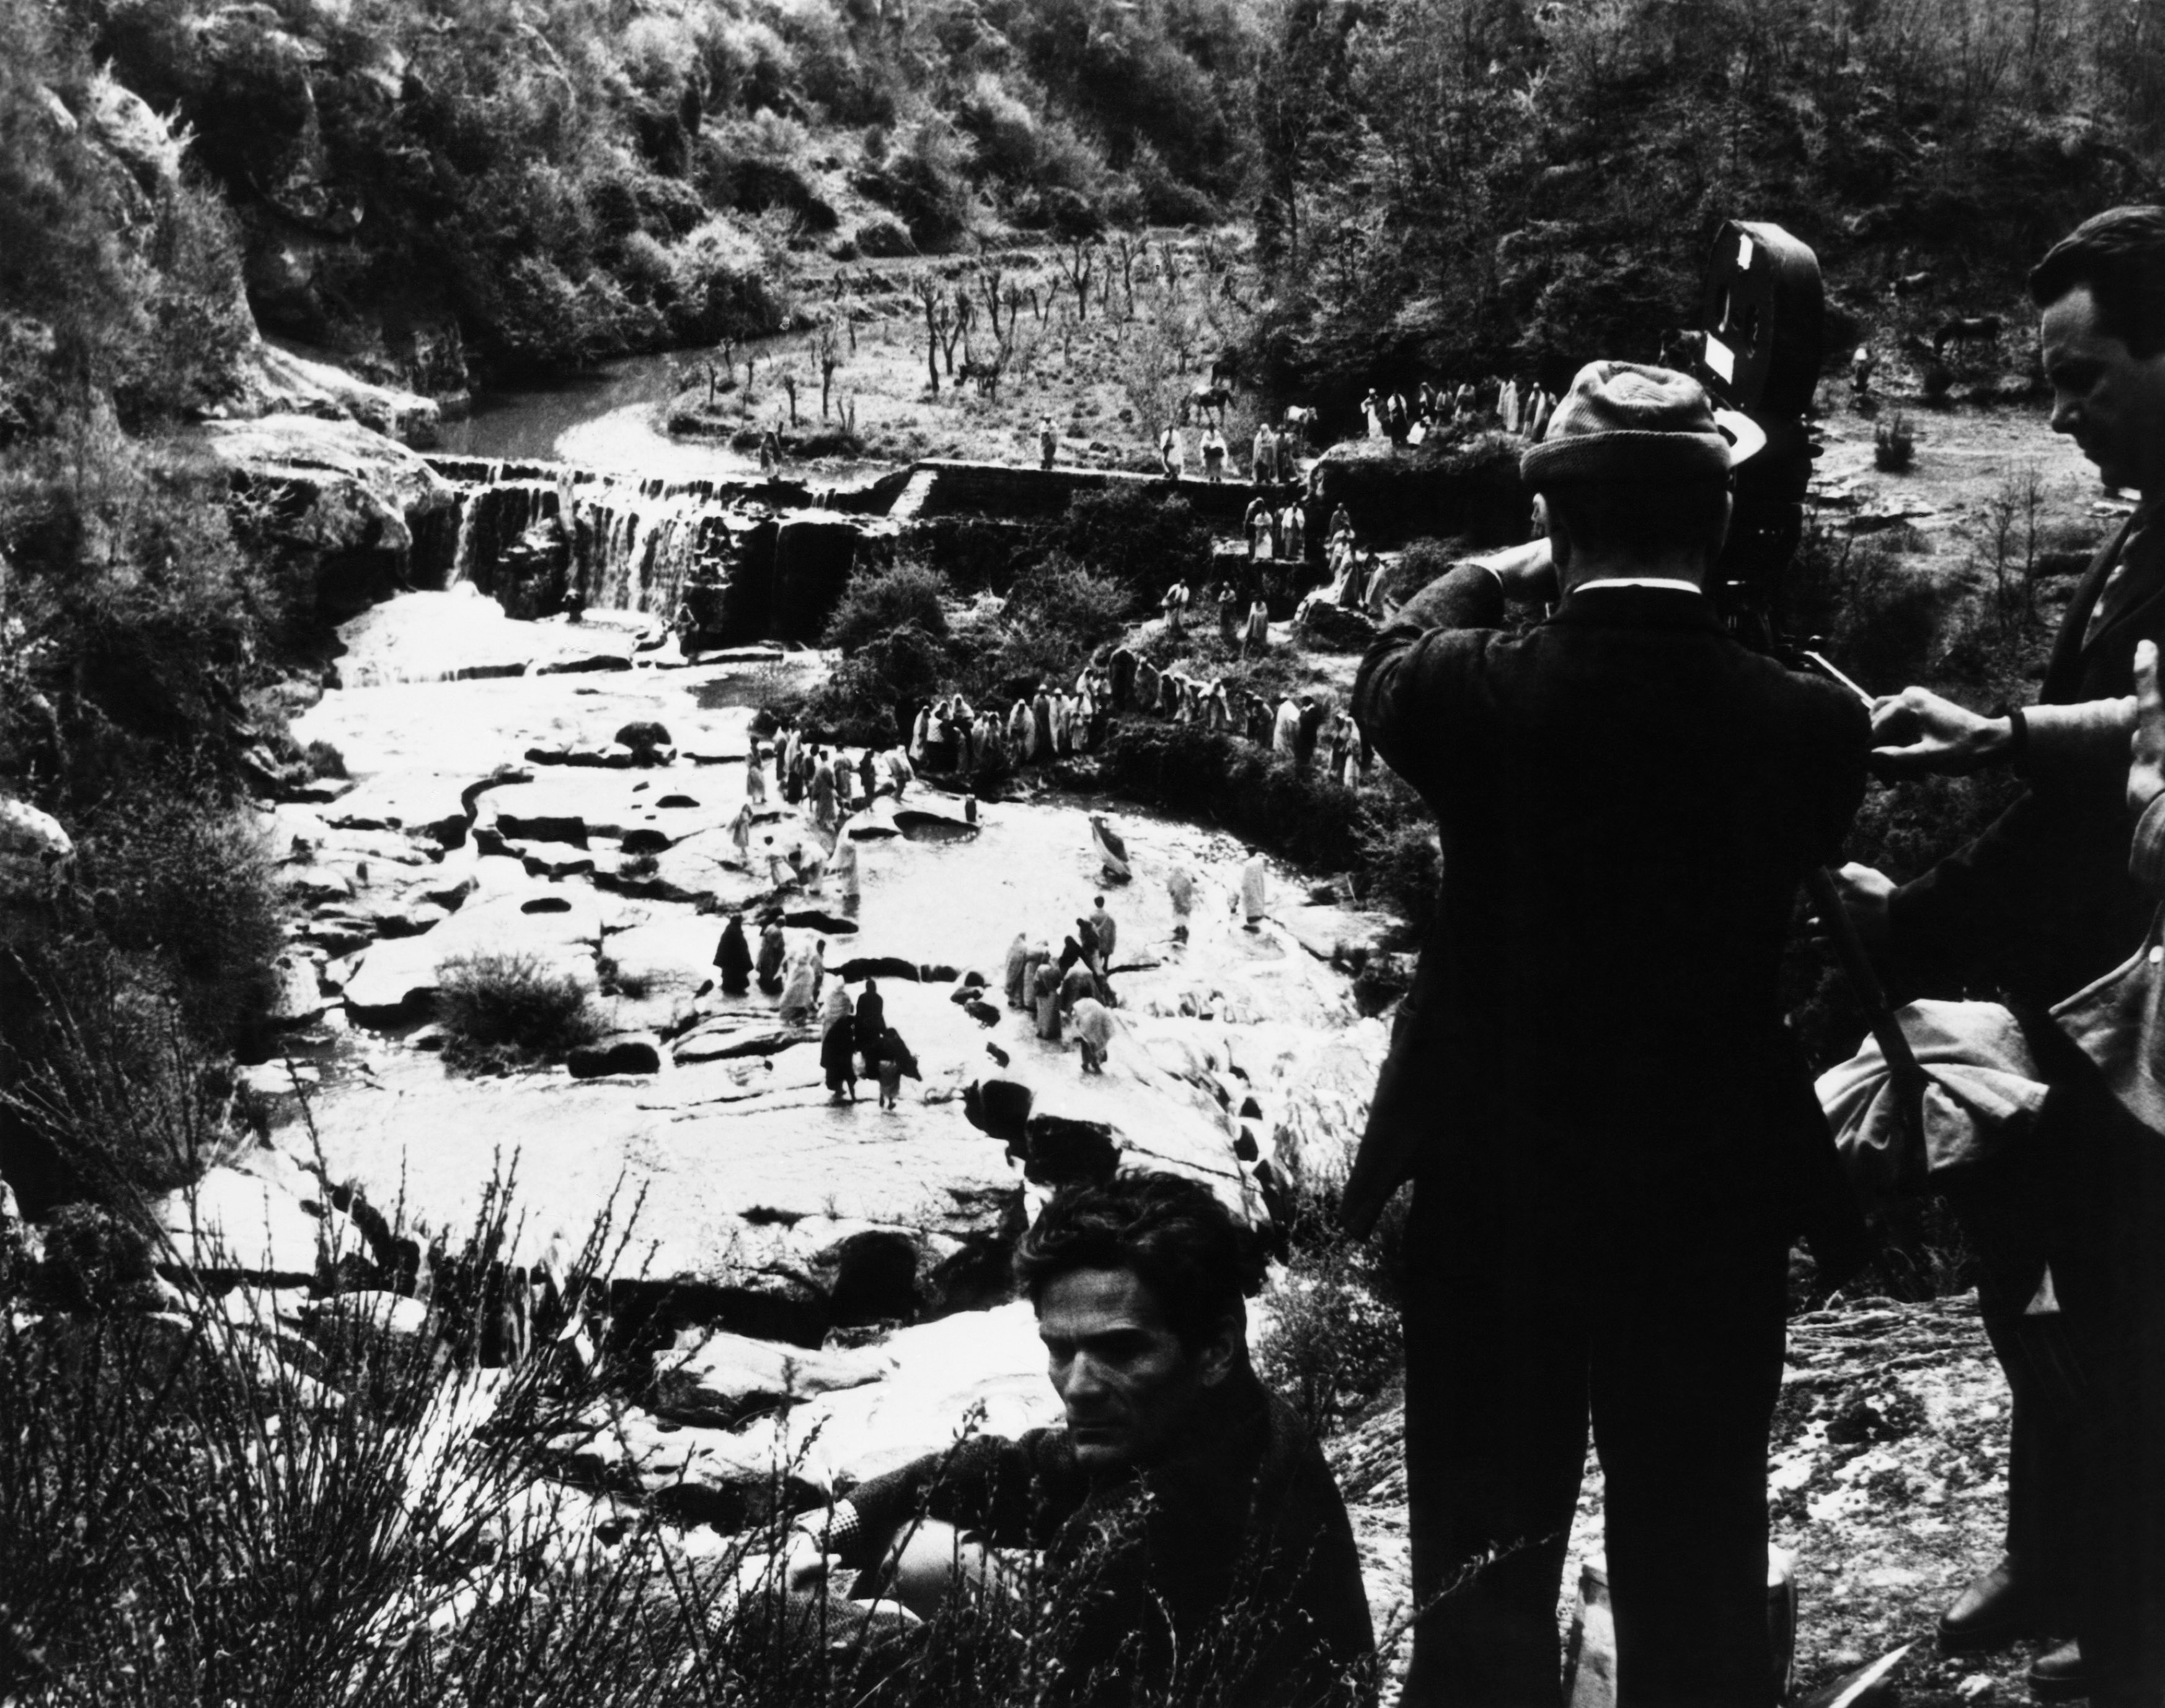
1173 1234
2120 254
1633 517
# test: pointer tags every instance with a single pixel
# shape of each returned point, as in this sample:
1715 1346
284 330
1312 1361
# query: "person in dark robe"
871 1024
837 1057
733 956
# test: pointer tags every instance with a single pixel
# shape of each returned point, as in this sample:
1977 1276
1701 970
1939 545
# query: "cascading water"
532 534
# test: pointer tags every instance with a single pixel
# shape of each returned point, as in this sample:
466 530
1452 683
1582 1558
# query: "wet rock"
726 1378
875 967
1063 1149
647 739
999 1108
623 1055
644 839
730 1479
734 1037
817 919
297 998
923 822
983 1013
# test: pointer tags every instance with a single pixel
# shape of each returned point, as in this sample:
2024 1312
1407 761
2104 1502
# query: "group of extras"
855 1036
1613 1139
1518 406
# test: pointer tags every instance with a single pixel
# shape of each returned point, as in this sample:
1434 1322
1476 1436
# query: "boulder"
346 497
37 857
348 1324
999 1108
275 380
646 739
1330 626
620 1055
726 1378
1063 1149
297 997
232 1223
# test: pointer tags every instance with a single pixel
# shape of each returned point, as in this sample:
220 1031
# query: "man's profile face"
2111 401
1130 1389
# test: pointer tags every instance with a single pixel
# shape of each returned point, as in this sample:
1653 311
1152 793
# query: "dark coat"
1628 801
871 1026
1141 1565
2041 904
733 955
838 1054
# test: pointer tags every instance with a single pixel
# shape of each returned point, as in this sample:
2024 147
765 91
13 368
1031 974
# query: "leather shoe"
2057 1677
1994 1612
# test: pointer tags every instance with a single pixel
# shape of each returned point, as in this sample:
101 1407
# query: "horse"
1913 284
1965 328
1224 373
1213 399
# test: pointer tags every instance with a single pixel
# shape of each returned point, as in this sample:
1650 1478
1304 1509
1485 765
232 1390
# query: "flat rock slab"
249 1223
445 637
725 1377
559 925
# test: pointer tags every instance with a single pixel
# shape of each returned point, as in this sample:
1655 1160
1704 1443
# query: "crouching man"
1179 1531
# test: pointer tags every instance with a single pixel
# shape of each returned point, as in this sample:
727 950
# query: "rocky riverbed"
824 1284
821 1288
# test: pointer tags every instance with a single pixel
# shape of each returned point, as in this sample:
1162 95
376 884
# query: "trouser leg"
1687 1364
1495 1443
2009 1210
2106 1274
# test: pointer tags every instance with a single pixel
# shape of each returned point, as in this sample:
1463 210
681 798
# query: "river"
610 418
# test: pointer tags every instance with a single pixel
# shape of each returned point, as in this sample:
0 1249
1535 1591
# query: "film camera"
1762 313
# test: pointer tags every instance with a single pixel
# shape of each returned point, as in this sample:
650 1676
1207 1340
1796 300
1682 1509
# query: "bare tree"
789 385
934 305
827 351
1127 248
1078 260
956 313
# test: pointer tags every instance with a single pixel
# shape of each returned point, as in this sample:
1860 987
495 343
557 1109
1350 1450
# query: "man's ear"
1226 1350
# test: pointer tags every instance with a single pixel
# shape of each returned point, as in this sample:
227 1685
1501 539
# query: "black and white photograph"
1082 853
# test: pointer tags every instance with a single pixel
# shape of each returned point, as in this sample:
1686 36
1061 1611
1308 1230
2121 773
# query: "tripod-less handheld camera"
1764 311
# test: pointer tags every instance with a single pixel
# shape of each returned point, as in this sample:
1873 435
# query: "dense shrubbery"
542 182
1459 187
510 1011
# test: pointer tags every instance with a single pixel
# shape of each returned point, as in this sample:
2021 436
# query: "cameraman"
1611 1137
2037 907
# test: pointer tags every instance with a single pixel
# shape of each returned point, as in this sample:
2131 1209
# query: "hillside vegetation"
508 186
1466 187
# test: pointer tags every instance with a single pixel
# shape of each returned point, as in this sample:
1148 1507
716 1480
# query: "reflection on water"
611 419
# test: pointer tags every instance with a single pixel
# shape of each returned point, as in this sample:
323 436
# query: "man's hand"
803 1566
2146 770
1915 733
1527 572
1864 893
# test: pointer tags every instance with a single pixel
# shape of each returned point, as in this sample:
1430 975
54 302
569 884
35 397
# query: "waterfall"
634 543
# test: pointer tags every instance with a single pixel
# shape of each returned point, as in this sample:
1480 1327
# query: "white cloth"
1181 888
845 866
1093 1023
1981 1088
1255 890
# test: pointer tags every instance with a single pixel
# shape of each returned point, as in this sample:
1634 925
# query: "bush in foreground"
511 1011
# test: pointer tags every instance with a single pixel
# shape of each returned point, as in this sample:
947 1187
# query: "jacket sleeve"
1403 690
2145 861
985 1483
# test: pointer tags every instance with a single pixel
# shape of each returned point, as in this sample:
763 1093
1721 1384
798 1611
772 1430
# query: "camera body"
1762 310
